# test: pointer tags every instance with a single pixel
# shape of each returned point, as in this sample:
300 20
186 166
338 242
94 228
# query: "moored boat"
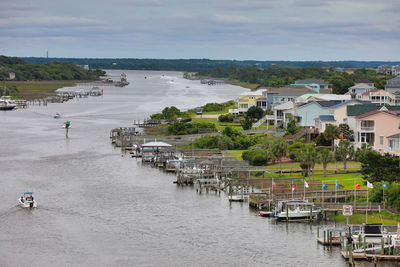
27 200
296 210
7 104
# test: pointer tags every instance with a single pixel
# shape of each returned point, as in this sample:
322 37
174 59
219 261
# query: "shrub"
258 157
226 118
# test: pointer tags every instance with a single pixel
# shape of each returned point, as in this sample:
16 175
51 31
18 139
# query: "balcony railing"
366 129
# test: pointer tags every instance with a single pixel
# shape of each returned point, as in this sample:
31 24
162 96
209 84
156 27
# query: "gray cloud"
204 28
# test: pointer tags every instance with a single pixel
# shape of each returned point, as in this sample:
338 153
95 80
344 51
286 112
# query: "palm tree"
279 149
308 156
344 151
331 132
325 156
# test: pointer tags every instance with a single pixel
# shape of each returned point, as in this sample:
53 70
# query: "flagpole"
366 210
383 195
354 196
323 195
292 190
336 186
304 189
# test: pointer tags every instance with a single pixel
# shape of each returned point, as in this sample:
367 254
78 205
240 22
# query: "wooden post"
287 212
324 237
365 246
382 246
330 238
310 213
317 231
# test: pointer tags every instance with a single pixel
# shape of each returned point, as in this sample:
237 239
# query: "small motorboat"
236 198
27 200
6 103
57 116
264 213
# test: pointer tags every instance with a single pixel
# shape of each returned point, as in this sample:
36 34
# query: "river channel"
98 207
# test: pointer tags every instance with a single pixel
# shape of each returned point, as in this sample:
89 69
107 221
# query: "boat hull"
297 215
27 204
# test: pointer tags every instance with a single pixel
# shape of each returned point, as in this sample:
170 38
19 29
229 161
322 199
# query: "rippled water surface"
100 208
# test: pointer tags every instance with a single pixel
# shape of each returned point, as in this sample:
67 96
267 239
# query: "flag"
293 187
305 184
385 185
358 185
273 183
370 185
337 185
324 186
341 136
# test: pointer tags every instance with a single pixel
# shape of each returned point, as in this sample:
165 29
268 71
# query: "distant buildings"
85 67
389 70
393 85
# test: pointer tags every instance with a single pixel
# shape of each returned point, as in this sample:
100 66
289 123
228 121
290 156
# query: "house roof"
347 102
284 106
394 136
327 104
311 81
325 97
356 110
324 104
368 114
361 86
373 90
326 118
252 93
365 81
303 89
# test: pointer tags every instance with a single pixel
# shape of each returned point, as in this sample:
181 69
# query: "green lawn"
220 125
373 217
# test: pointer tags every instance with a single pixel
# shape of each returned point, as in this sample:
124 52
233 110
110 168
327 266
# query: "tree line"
278 77
50 71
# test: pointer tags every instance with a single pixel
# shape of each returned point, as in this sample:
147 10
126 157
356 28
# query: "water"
100 208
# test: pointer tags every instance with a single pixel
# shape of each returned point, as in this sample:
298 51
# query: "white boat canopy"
156 144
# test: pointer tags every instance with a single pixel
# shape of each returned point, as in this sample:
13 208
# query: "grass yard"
373 217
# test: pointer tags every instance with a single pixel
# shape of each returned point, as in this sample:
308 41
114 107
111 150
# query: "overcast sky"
215 29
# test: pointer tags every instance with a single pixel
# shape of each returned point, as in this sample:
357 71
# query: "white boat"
236 198
7 104
27 200
296 210
57 116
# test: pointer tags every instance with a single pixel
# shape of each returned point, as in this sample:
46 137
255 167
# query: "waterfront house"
307 113
248 99
283 113
321 97
393 144
380 97
393 85
339 111
324 120
319 86
355 110
374 128
357 90
276 96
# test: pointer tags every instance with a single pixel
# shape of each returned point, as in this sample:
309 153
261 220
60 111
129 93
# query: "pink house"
375 127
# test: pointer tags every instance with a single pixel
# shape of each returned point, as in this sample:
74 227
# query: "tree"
331 132
325 156
377 168
279 149
307 156
247 123
268 112
360 153
292 128
258 157
255 112
348 134
345 150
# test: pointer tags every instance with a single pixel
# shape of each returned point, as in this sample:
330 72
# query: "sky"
216 29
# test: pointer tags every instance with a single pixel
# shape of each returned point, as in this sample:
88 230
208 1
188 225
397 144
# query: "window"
381 140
